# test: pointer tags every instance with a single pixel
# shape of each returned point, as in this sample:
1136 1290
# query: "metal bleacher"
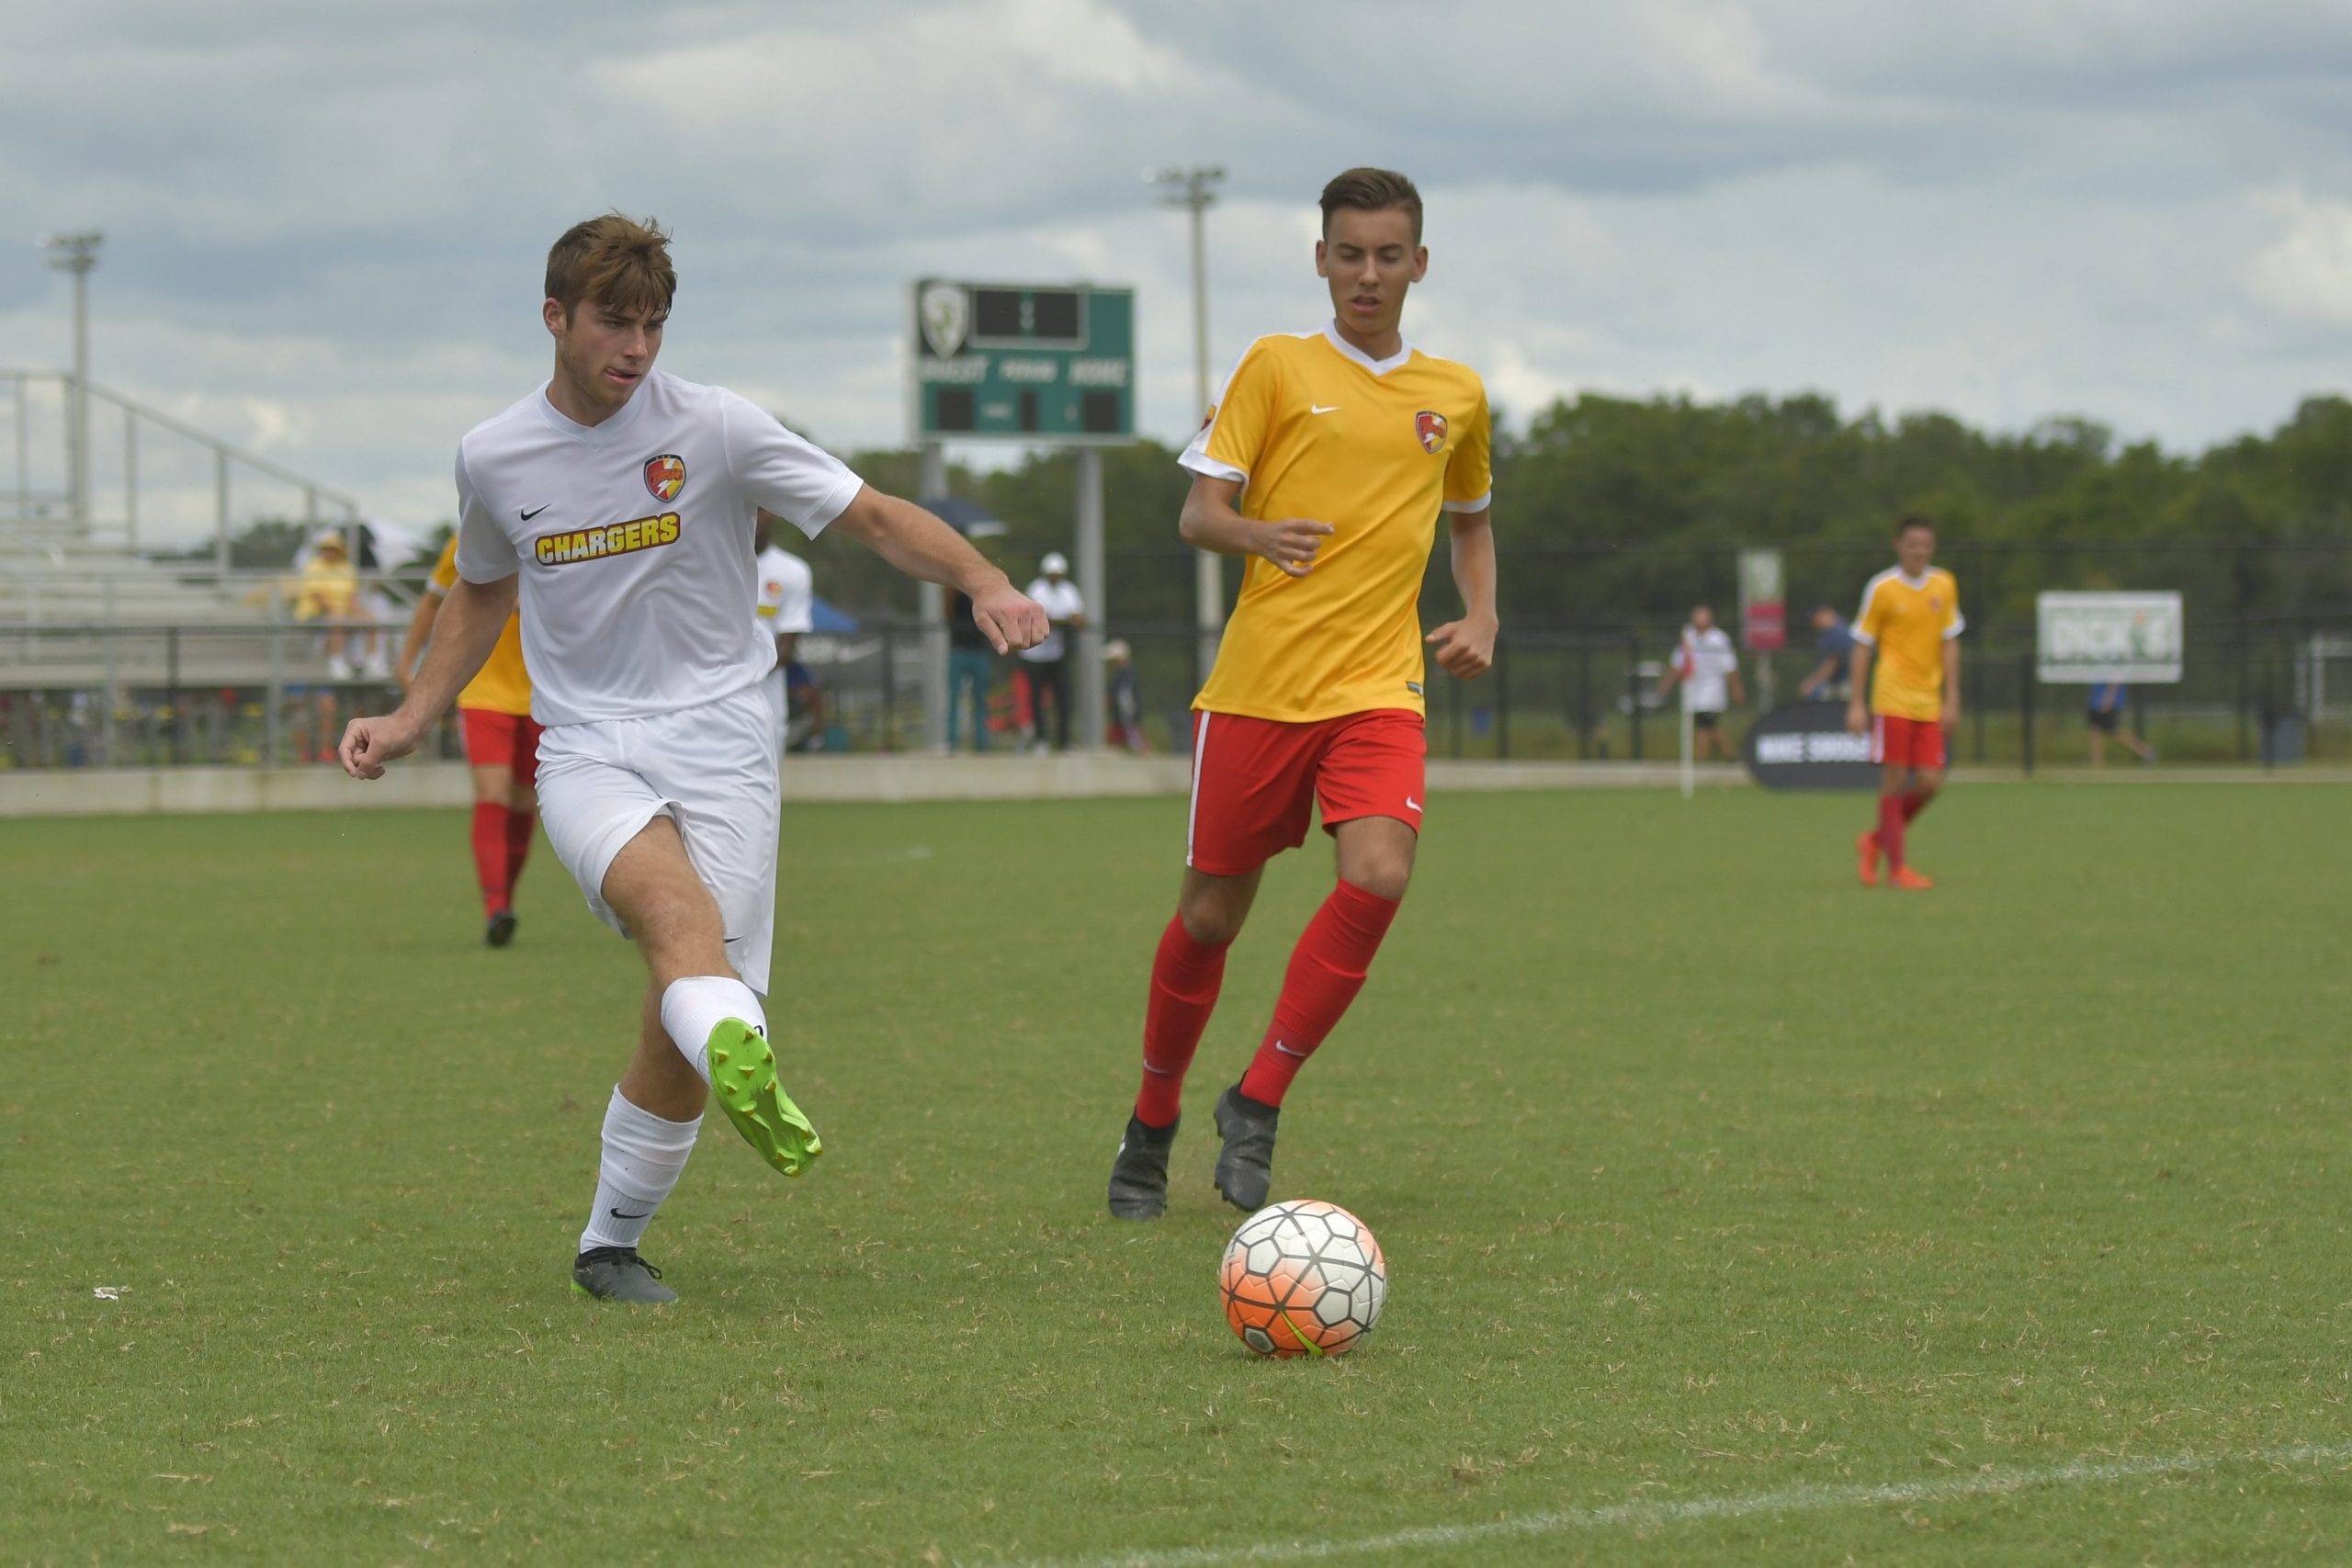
128 633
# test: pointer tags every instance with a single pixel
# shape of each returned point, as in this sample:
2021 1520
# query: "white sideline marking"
1792 1499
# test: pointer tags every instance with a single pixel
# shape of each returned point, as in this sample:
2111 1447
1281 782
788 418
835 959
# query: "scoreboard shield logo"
1430 428
945 312
665 476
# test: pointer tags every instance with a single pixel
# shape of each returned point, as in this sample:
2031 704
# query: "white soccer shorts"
711 769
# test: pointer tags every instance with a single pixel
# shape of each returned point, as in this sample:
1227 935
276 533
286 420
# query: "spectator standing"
328 593
1126 698
1047 664
1834 642
787 609
1705 662
2106 716
329 589
971 659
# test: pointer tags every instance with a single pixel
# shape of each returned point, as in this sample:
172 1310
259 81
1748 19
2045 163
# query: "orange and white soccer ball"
1303 1277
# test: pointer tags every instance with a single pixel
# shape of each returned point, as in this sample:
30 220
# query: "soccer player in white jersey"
617 504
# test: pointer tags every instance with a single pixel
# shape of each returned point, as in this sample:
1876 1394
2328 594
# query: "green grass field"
1733 1212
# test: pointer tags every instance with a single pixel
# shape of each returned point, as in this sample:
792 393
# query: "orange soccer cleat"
1910 880
1866 845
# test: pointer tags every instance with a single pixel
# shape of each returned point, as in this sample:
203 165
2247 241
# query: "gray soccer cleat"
1139 1174
1245 1166
619 1274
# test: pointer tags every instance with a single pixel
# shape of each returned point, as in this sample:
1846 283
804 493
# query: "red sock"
490 854
1326 970
519 844
1914 804
1185 977
1889 829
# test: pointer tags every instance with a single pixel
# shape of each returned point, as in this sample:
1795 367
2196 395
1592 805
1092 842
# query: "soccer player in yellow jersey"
1326 462
1910 622
501 745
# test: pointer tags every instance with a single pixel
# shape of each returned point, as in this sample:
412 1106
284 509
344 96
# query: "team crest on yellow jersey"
1430 428
665 476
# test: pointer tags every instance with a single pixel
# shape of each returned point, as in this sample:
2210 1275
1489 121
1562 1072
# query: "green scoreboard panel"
1053 364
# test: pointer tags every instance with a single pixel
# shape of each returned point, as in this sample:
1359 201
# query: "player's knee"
1211 920
1383 877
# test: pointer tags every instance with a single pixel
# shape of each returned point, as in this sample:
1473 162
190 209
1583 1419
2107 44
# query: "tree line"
1615 512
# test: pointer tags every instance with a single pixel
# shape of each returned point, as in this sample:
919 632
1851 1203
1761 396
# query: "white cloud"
2306 272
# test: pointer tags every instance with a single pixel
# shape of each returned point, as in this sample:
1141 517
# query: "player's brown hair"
614 260
1371 191
1914 520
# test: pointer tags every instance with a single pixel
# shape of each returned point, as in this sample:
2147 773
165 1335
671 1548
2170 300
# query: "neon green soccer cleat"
743 1078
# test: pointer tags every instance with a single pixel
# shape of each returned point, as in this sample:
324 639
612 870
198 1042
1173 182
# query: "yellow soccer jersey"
1319 430
1908 620
504 684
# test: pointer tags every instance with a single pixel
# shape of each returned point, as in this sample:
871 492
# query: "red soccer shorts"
1255 781
504 740
1907 742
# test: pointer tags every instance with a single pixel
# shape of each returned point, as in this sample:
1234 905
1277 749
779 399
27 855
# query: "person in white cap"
1047 664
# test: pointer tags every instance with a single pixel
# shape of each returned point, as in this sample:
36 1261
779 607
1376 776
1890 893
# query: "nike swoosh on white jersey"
1318 408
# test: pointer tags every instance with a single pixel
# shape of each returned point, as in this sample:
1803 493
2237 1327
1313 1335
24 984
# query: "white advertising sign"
2089 638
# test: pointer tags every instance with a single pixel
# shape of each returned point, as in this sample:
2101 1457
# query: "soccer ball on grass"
1303 1277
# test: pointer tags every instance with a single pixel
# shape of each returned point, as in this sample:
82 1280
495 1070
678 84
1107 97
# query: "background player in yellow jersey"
1328 460
501 746
1910 620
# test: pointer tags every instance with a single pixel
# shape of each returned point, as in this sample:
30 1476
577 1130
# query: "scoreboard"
1052 364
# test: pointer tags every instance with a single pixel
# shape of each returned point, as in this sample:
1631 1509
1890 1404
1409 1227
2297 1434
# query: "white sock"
695 1006
643 1155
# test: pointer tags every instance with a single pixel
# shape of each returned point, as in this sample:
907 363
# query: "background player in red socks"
1326 460
502 747
1910 618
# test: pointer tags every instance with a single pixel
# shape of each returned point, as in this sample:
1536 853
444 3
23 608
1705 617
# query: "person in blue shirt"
1834 642
2106 715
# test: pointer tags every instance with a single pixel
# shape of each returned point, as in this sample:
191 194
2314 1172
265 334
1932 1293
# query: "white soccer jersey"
1706 659
787 593
634 539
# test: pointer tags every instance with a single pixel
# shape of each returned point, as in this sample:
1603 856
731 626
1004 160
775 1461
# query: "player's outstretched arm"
1465 649
923 546
420 627
466 629
1210 523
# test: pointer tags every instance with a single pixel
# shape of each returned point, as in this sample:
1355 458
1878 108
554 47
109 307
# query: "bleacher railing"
141 495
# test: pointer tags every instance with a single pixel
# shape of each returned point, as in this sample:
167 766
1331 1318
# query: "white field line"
1792 1499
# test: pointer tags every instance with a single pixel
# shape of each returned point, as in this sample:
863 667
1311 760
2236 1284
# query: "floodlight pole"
1194 190
77 253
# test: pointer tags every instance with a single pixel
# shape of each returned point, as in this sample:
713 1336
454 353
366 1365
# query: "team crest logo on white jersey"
946 311
665 476
1430 428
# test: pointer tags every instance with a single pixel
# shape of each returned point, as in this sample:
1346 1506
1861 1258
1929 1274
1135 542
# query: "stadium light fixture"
77 253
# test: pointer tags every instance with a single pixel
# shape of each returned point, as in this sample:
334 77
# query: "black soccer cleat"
1139 1174
1245 1166
500 930
619 1274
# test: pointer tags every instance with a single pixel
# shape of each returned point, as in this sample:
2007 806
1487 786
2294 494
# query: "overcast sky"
325 225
